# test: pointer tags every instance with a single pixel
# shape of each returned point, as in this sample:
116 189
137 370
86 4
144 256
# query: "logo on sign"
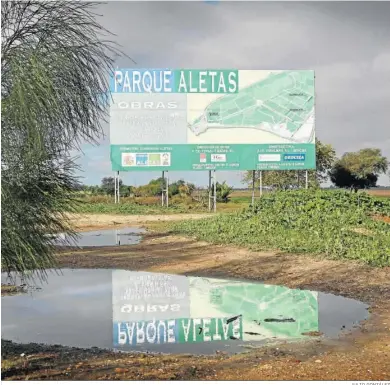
269 157
203 158
154 159
141 159
128 159
166 159
218 157
294 157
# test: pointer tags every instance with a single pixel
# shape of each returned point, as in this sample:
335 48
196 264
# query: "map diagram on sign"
281 104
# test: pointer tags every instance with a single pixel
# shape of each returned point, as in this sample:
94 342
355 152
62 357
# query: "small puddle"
141 311
99 238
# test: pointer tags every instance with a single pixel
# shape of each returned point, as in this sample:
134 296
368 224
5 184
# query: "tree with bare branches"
55 62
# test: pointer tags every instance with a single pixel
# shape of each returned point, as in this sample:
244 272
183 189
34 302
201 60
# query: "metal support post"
167 191
307 179
261 182
253 187
215 191
210 193
118 188
115 187
162 188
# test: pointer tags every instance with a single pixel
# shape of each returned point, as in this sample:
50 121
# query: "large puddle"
140 311
99 238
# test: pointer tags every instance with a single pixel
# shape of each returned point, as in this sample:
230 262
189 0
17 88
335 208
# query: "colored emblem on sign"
141 159
128 159
269 157
294 157
202 158
154 159
218 157
166 159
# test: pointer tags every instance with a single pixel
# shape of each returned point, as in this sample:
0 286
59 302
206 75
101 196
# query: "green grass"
242 199
152 205
127 208
383 197
338 225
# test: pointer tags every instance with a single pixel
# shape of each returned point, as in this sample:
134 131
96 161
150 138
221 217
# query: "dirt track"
363 354
97 221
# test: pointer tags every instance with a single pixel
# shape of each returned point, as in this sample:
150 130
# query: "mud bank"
363 353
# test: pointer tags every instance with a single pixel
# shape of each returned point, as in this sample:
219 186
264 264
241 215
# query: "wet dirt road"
362 354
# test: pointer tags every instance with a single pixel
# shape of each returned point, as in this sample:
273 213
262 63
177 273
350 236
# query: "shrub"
335 224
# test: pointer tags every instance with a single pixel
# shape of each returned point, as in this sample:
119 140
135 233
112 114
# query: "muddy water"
99 238
140 311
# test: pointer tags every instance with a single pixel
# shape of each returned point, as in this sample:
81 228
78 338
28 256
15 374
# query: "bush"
335 224
125 208
138 206
223 192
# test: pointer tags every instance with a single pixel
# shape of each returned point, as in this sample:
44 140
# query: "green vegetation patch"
336 224
127 208
11 290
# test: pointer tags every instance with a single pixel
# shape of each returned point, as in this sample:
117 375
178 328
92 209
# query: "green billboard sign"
221 119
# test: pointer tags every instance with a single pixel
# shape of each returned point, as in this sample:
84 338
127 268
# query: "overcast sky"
346 43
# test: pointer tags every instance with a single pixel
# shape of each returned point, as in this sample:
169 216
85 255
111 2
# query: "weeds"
138 206
152 205
338 225
126 208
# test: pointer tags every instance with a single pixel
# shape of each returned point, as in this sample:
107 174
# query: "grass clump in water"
338 225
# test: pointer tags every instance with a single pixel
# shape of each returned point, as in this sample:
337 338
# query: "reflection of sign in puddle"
156 308
177 331
83 308
268 311
139 296
196 309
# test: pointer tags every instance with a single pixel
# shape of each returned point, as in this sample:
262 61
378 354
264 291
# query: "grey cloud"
266 33
346 43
